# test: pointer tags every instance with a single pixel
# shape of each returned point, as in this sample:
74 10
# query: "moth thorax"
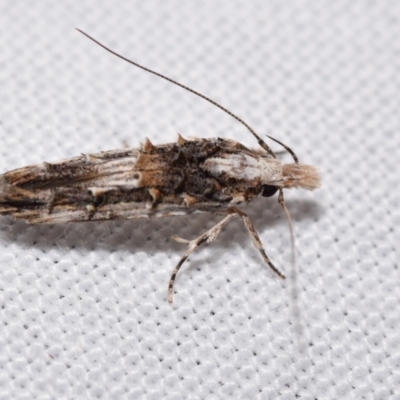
300 176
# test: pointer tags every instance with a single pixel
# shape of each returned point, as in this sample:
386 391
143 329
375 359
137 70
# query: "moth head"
300 176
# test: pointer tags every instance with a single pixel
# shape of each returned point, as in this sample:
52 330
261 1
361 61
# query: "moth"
187 177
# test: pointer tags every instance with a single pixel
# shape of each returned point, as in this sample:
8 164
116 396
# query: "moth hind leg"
208 237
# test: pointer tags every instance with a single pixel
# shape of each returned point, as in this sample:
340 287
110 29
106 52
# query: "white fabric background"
83 310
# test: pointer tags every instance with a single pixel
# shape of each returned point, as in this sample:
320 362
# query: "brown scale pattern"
169 179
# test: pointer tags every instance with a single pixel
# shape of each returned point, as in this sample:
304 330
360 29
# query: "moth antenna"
281 202
287 148
260 141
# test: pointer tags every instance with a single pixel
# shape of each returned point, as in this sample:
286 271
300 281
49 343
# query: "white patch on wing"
240 166
246 167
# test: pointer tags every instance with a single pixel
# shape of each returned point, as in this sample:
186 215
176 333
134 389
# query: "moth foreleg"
256 240
208 237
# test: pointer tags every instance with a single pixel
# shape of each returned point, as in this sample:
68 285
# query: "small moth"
182 178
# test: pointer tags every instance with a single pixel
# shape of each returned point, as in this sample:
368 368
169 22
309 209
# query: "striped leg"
256 240
210 235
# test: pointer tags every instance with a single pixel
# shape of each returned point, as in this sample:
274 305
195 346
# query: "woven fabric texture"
83 309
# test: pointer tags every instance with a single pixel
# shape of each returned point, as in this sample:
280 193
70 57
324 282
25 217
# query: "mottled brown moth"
182 178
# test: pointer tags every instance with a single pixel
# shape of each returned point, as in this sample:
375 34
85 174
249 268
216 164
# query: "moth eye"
268 190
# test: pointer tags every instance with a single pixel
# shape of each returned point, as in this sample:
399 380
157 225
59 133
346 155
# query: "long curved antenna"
260 141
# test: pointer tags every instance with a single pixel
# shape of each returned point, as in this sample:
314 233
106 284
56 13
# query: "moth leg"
256 240
208 237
